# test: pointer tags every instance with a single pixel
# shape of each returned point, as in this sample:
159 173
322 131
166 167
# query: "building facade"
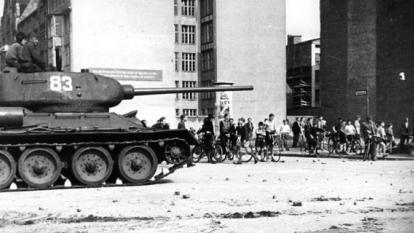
186 58
244 47
302 75
367 59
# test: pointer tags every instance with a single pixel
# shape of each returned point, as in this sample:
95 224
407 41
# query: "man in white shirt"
270 131
358 126
284 134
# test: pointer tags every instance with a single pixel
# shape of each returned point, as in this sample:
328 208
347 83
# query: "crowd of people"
311 130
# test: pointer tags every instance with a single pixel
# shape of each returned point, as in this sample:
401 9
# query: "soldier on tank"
31 60
161 124
14 52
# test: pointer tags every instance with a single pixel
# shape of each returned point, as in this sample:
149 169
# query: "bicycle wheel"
276 153
331 146
197 153
358 148
367 151
247 156
324 144
230 155
217 154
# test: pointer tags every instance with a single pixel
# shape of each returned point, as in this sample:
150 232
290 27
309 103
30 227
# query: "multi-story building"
243 42
302 62
186 53
367 59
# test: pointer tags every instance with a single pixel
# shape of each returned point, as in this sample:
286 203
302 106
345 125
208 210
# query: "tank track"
171 167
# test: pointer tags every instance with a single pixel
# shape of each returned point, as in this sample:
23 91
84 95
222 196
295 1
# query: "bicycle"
207 148
229 149
370 152
323 141
273 150
333 144
355 145
302 144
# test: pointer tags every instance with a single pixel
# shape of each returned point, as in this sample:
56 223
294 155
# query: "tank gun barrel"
130 92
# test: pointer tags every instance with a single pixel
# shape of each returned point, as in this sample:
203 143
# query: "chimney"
294 39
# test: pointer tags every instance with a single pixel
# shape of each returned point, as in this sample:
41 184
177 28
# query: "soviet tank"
58 124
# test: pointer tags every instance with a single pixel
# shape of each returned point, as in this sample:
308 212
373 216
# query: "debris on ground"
297 203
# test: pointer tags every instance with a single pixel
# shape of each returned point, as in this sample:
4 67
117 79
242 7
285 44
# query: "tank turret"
77 92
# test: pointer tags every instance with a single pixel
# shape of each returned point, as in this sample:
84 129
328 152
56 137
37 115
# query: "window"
189 95
317 58
177 112
206 8
317 77
207 33
190 112
176 33
175 7
188 34
207 95
188 7
177 85
317 98
177 61
188 62
207 60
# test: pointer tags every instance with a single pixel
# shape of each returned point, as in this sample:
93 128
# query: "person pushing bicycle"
270 132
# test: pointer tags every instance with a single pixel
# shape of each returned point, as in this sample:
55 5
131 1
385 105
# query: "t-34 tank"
59 123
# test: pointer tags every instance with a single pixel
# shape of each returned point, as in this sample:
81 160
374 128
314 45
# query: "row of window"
207 33
188 62
207 95
187 112
207 60
206 111
187 7
206 7
185 84
188 34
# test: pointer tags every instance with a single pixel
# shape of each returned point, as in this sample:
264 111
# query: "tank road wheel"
7 169
137 164
92 165
39 167
176 152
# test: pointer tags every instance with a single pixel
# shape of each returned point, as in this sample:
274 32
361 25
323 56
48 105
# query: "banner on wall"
225 103
129 74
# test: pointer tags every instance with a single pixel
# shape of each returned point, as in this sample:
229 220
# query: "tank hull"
70 147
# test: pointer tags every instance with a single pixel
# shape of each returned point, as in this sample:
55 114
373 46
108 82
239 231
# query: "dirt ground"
295 195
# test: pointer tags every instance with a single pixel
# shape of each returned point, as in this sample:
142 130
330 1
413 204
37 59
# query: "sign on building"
361 93
225 104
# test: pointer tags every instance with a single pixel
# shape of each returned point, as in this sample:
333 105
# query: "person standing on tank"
31 60
14 52
181 123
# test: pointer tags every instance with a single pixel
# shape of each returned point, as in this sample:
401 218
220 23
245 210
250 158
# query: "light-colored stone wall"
128 34
250 45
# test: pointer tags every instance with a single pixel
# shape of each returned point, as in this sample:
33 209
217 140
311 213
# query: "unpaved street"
297 195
